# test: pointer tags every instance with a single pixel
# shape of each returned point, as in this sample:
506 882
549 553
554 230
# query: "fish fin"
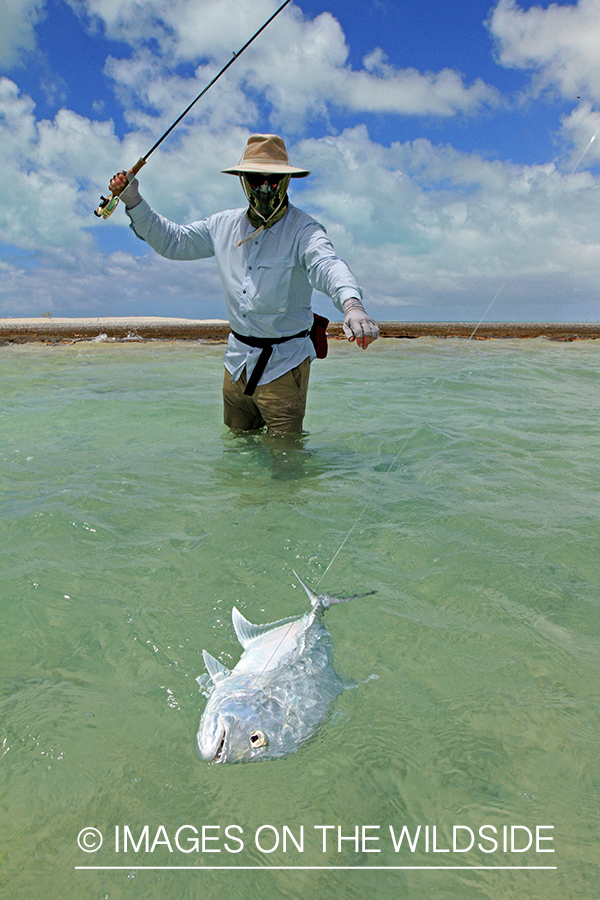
350 684
215 669
314 598
325 600
205 685
246 632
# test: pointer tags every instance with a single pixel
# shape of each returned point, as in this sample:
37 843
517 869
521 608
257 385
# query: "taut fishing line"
388 470
412 433
444 379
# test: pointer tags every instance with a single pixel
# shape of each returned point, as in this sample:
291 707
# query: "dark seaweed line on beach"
139 328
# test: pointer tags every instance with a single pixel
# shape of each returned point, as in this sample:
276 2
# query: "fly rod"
109 204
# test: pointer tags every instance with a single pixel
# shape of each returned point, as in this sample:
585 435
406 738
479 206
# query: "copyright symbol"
89 840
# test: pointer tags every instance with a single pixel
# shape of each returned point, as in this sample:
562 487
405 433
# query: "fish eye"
258 739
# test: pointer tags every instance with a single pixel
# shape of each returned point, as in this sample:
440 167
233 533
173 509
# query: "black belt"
267 348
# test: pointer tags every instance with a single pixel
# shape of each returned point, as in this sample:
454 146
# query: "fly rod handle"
141 162
109 204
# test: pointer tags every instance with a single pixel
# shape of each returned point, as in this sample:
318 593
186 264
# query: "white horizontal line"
137 868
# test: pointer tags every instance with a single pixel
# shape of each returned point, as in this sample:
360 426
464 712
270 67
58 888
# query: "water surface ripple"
130 524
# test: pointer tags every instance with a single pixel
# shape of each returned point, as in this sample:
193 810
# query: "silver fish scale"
278 694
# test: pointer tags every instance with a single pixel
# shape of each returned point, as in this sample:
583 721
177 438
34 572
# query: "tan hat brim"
271 168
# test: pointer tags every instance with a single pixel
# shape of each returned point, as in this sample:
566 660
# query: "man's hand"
358 326
127 191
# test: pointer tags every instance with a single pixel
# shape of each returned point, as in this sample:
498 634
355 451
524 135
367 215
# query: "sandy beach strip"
147 328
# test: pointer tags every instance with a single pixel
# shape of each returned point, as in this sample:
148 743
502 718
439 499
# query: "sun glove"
356 321
131 194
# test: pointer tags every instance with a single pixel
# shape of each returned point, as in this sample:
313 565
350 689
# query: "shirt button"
250 268
243 292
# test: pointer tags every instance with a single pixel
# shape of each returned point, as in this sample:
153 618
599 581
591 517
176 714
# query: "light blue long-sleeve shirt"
267 281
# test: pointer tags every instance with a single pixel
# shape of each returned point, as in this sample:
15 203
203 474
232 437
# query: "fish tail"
325 600
331 601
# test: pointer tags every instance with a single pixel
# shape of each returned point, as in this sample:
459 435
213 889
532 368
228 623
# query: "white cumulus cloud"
417 219
429 230
560 44
300 64
17 32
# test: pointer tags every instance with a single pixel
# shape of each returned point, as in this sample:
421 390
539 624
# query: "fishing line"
412 433
388 470
445 378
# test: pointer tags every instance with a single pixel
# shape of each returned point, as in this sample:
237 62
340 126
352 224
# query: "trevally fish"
280 691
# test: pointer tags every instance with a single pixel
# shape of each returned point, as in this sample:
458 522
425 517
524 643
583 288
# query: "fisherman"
270 256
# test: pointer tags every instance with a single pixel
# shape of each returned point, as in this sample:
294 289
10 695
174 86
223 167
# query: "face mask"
265 193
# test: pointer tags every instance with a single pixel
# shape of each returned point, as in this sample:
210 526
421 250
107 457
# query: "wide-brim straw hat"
266 154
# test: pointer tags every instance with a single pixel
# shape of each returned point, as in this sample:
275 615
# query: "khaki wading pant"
280 404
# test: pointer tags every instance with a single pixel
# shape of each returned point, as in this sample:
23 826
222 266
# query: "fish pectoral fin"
215 669
205 684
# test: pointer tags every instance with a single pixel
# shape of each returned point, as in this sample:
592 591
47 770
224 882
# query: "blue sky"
453 148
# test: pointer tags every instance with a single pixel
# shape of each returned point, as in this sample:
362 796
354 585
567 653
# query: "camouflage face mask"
266 195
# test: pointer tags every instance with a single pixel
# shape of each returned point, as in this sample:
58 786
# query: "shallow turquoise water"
461 481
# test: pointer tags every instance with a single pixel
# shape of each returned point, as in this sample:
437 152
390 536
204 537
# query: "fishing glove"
357 323
131 195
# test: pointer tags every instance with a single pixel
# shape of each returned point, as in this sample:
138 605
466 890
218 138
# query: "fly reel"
108 205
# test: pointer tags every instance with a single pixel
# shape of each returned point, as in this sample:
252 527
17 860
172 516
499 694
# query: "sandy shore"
147 328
